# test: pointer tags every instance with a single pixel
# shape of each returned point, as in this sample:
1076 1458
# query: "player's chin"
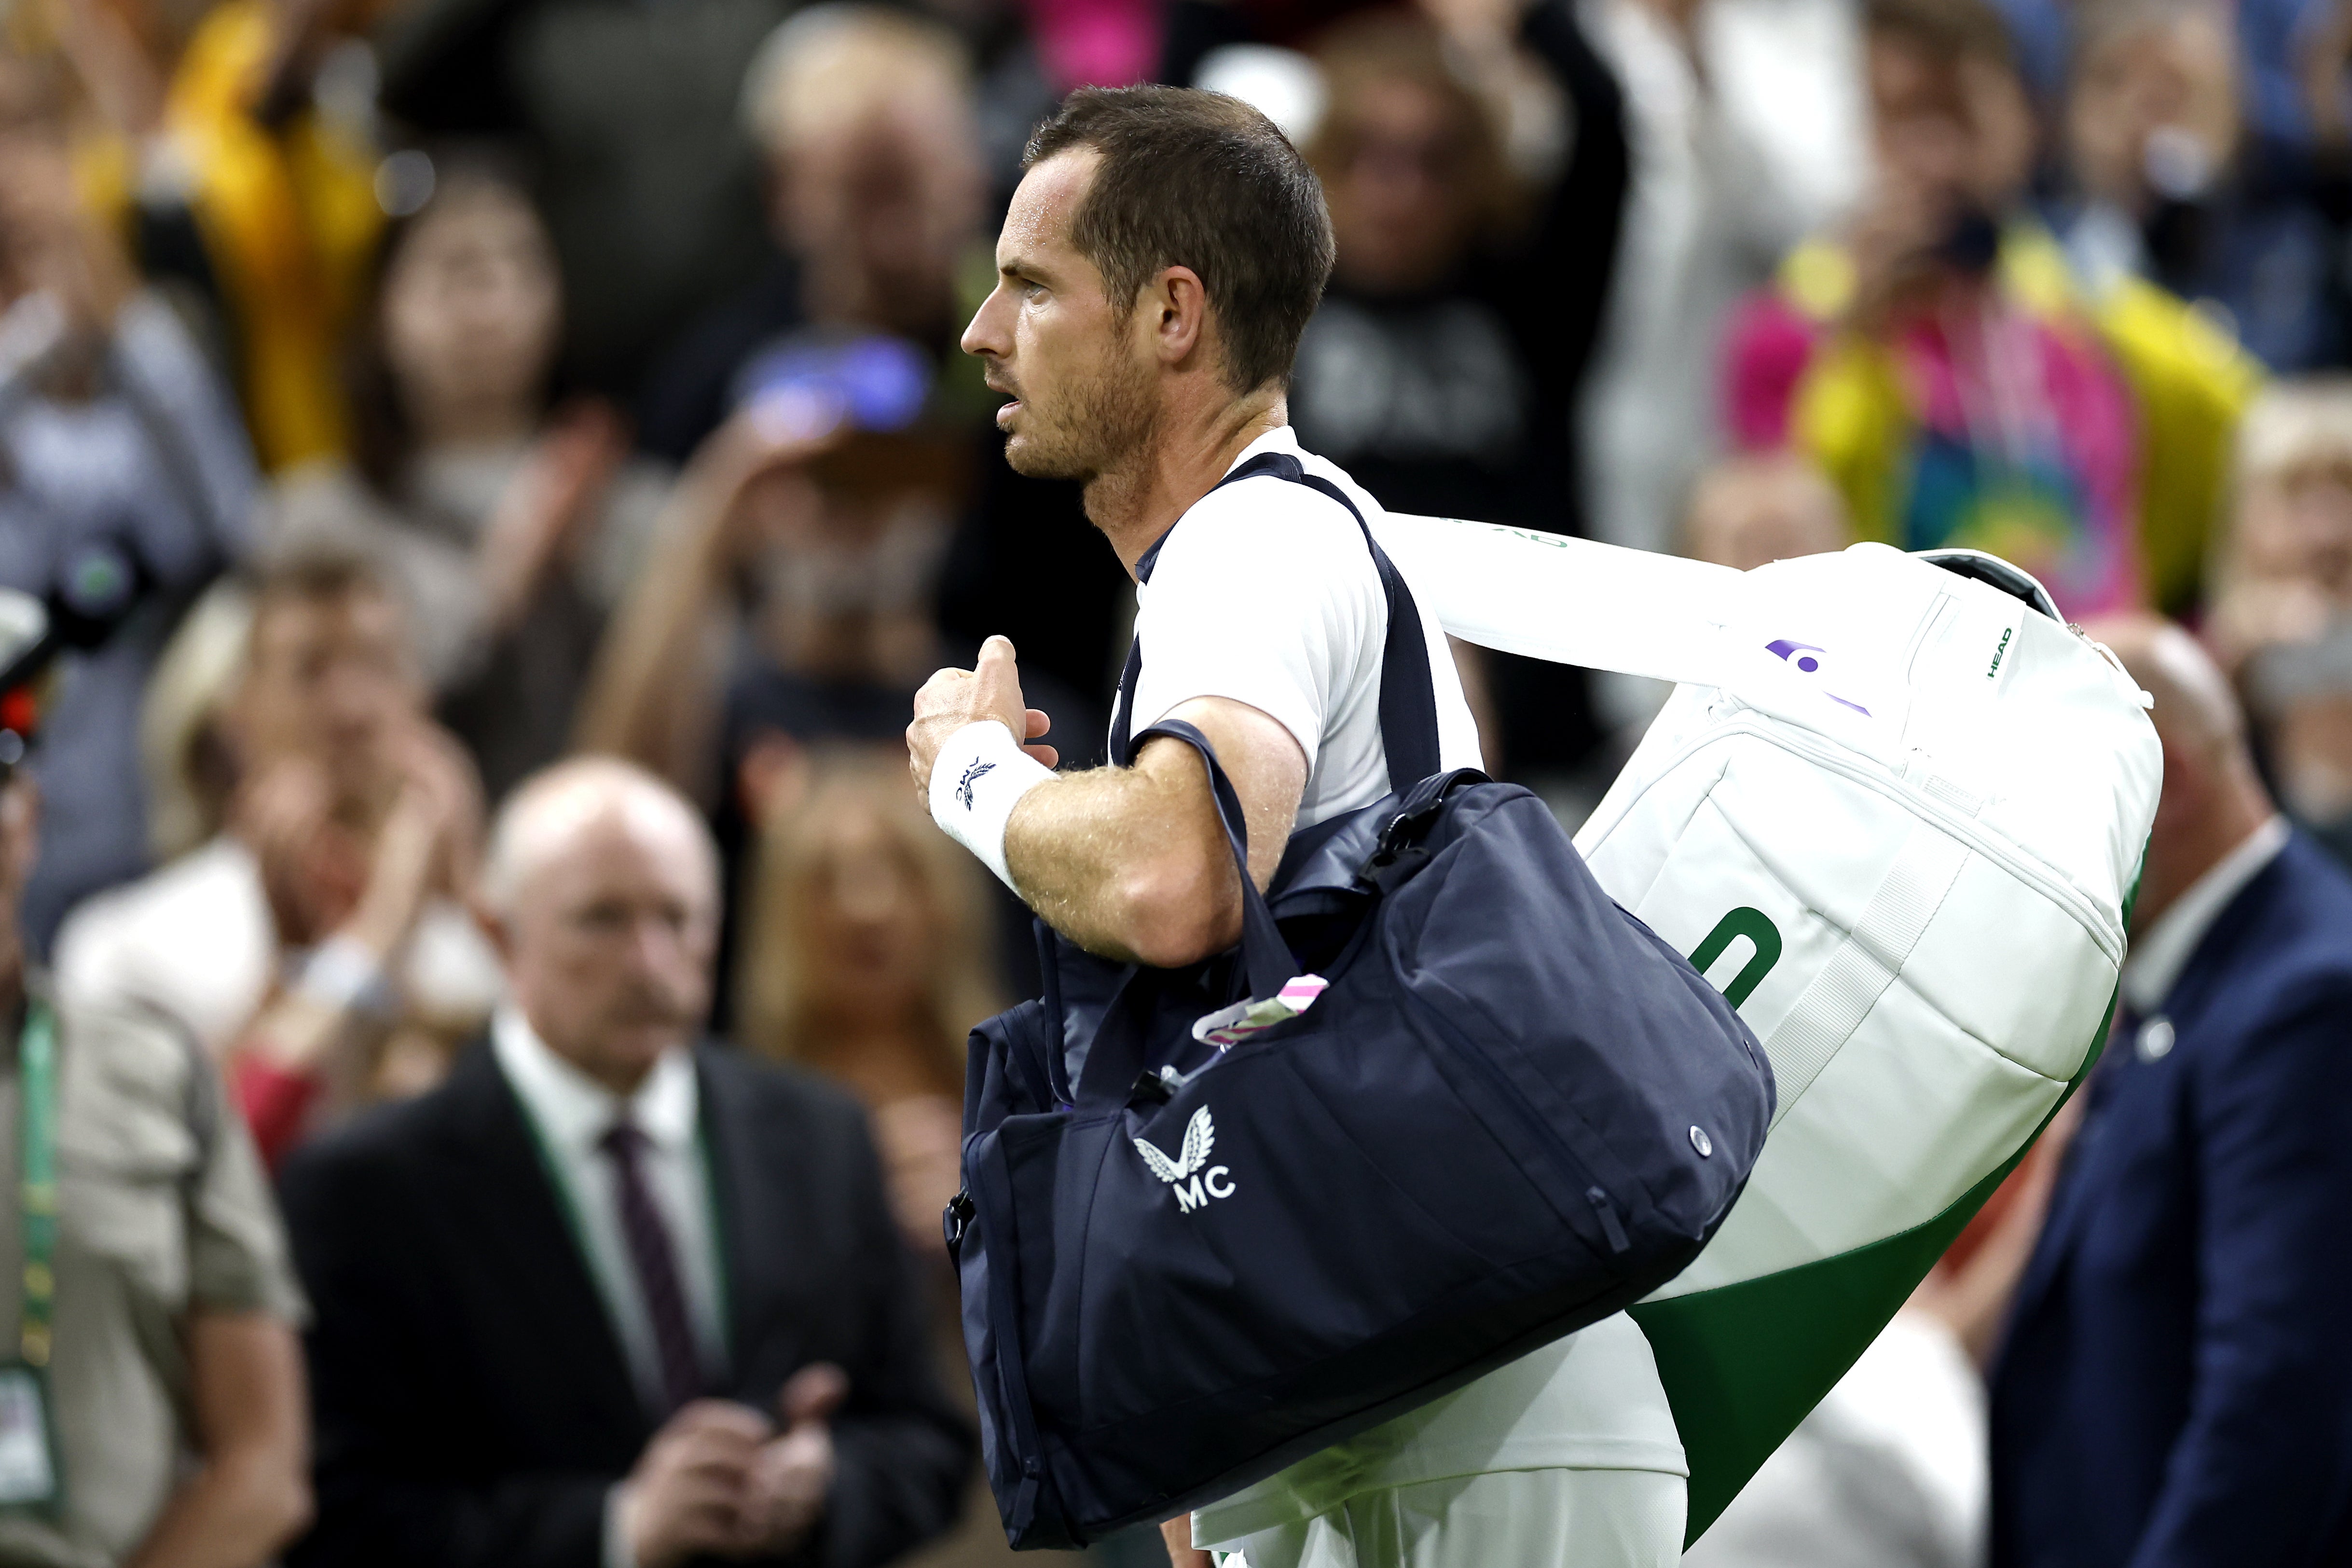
1033 459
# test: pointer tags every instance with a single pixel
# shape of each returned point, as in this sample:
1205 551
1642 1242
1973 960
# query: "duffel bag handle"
1116 1056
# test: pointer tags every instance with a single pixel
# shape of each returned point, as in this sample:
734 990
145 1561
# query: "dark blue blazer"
2176 1386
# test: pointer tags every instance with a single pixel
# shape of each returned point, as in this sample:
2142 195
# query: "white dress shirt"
2157 958
571 1113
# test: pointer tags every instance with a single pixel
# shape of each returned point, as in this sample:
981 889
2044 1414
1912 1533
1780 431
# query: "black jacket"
472 1403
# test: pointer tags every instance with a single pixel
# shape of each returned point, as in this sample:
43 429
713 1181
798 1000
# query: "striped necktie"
655 1257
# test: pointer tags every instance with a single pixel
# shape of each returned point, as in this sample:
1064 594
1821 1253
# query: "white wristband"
979 776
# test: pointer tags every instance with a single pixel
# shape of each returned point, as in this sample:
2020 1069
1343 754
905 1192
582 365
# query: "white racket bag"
1895 810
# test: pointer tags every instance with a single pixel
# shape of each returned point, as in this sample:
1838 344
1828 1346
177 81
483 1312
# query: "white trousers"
1502 1519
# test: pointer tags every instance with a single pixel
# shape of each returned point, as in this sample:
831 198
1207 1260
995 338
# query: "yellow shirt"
290 223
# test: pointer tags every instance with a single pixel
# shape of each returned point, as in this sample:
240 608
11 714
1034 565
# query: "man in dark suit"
2176 1384
607 1298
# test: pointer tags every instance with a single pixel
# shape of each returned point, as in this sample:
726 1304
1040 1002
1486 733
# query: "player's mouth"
1013 403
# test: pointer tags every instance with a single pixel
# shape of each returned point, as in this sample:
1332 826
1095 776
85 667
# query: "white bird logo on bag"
1195 1180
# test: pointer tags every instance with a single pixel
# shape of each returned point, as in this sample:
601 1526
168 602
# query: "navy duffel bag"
1513 1111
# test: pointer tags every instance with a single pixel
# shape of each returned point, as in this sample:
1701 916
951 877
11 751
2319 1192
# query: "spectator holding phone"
1955 379
866 118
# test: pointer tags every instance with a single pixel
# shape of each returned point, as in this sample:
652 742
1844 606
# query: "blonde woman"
866 957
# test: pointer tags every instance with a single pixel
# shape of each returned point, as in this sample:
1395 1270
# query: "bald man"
2175 1387
612 1297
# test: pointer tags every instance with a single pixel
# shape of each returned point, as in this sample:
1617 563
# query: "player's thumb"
812 1394
996 655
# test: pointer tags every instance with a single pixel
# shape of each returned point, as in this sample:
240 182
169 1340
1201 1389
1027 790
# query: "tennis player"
1159 260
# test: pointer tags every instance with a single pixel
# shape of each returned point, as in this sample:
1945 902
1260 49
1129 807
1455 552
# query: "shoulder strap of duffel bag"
1408 696
1604 606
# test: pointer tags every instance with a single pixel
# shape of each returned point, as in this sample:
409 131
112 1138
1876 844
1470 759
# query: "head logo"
1195 1180
1801 654
972 775
1994 668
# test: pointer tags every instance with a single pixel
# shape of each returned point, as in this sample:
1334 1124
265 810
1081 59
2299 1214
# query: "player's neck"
1139 499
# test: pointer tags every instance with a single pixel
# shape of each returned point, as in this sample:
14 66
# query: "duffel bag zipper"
1604 1207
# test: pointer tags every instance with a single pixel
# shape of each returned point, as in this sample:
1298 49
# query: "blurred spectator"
510 534
152 1391
2176 1385
1952 377
865 117
610 1295
1444 364
319 944
868 960
1756 508
2282 616
867 957
186 758
2284 49
1443 360
794 601
2283 569
2166 185
1745 123
241 153
628 113
125 487
1888 1471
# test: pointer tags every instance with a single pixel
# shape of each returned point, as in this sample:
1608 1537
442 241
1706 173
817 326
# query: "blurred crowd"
498 470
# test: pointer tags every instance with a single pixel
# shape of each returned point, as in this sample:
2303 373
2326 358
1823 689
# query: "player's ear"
1181 309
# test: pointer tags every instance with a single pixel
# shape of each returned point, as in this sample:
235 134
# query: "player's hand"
1177 1535
953 698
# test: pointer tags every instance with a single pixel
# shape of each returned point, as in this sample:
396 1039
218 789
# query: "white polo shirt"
1264 593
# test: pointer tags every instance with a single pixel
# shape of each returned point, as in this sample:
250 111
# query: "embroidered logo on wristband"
977 778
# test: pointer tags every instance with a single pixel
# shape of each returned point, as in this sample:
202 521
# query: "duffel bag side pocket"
987 1264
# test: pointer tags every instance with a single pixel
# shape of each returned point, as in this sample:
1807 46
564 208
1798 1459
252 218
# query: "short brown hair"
1197 179
1949 29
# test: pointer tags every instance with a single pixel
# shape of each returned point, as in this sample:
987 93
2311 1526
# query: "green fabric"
37 1066
1743 1364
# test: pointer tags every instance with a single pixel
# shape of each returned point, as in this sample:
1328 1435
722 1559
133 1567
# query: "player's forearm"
1128 863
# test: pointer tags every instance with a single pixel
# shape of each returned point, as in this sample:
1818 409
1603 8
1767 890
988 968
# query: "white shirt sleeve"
617 1552
1264 595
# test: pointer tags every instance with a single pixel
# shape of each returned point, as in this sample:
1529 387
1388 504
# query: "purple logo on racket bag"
1801 654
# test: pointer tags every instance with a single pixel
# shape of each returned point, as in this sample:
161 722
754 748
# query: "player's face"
1071 358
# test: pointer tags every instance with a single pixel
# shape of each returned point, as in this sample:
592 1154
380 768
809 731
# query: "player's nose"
983 337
